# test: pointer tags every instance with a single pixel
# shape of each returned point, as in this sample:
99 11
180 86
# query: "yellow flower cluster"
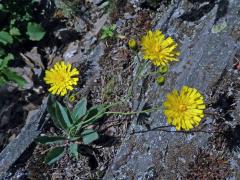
61 77
158 49
185 109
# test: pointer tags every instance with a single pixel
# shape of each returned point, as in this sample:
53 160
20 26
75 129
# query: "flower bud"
132 44
163 69
160 80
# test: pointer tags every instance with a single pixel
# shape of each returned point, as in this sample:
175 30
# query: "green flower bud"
160 80
132 43
163 69
72 98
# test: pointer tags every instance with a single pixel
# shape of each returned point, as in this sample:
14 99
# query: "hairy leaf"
50 140
54 154
80 109
51 107
94 113
63 116
89 136
74 150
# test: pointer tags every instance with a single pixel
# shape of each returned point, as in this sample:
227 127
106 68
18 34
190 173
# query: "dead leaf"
34 57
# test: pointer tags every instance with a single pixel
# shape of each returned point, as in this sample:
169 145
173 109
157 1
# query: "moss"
217 28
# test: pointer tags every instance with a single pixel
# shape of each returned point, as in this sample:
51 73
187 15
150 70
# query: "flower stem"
107 107
151 73
132 113
138 75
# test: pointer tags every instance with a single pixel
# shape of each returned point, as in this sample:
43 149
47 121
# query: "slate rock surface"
17 146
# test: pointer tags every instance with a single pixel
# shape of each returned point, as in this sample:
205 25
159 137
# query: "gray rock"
17 146
80 25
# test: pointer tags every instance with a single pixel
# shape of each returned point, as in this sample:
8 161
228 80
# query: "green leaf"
34 1
50 140
13 76
92 115
5 38
2 81
113 27
54 154
15 31
63 117
51 107
69 115
108 31
104 36
95 113
110 34
74 138
80 109
4 62
12 22
60 120
25 18
1 7
89 136
9 57
2 52
74 150
35 31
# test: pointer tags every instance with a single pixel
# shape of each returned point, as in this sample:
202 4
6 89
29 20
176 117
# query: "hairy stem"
137 112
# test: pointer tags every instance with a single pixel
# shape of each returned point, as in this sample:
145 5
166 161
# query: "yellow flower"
157 49
132 43
61 78
184 110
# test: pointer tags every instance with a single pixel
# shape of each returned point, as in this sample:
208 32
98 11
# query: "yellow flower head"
157 49
132 43
61 78
184 110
